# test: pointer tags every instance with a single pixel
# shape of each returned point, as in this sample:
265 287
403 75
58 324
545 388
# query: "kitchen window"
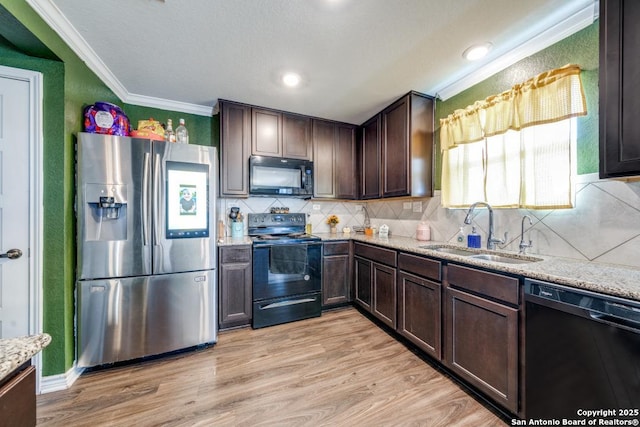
515 149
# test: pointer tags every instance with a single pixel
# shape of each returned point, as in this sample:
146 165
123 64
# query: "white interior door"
14 208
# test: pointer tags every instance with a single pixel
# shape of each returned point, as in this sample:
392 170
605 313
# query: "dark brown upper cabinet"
396 150
369 157
334 159
235 148
619 89
278 134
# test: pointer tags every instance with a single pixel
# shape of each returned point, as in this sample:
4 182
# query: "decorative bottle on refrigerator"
169 134
182 136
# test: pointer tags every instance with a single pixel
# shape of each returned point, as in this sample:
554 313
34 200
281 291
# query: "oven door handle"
287 303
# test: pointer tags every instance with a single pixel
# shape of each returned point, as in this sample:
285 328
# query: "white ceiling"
355 56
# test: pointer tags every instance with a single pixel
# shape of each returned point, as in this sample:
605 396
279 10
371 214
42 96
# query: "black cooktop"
285 228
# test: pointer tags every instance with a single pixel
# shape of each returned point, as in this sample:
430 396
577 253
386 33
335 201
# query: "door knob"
12 254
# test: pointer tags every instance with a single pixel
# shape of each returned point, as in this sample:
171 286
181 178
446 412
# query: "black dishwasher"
582 353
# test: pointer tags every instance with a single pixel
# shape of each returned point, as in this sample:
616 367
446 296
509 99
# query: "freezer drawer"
130 318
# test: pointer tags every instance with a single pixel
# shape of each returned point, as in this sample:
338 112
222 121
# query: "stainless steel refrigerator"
146 279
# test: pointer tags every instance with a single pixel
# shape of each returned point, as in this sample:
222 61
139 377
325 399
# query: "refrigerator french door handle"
157 196
146 188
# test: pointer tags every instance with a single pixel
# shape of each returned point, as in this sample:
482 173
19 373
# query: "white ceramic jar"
423 232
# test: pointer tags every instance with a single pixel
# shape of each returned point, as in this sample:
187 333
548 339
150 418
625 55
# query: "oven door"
281 270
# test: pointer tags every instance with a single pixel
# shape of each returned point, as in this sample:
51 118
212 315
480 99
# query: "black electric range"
287 268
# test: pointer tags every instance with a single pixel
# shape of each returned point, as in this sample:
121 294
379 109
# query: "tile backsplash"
604 225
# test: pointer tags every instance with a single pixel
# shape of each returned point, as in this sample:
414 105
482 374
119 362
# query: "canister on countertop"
423 232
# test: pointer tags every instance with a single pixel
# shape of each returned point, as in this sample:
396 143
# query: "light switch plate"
417 206
406 205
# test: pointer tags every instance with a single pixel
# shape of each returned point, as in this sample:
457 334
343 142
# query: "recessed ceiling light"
291 79
477 51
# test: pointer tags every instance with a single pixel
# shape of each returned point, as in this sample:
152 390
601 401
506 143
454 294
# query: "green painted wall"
580 48
68 87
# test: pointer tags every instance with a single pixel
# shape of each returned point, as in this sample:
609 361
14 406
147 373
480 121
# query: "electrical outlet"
358 208
316 207
417 206
406 205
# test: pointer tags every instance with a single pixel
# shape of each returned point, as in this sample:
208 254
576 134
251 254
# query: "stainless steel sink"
475 254
505 259
451 250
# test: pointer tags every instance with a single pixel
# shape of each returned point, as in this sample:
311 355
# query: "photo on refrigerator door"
187 200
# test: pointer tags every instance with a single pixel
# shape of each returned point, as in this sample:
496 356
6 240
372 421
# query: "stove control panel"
276 220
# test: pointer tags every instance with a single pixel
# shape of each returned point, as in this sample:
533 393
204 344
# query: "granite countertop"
16 351
608 279
234 241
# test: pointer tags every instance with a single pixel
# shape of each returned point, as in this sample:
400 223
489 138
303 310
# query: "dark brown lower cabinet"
376 290
336 274
481 333
419 312
420 302
235 286
18 398
362 269
384 294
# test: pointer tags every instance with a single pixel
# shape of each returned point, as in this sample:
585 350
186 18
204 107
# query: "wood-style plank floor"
336 370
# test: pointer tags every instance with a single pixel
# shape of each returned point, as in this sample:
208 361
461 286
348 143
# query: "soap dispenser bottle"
460 237
473 239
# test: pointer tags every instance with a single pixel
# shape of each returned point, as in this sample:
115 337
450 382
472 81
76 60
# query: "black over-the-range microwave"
277 176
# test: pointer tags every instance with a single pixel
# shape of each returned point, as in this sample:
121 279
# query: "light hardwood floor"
336 370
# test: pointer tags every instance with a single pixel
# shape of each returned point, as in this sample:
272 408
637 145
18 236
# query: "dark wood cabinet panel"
492 285
619 91
363 282
482 345
345 162
369 159
420 312
334 159
395 149
324 155
235 286
336 274
376 253
296 136
235 148
18 398
266 135
384 294
376 281
423 267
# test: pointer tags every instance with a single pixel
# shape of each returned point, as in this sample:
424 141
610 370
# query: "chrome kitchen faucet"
491 241
523 246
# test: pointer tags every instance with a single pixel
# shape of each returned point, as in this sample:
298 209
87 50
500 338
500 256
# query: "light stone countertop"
604 278
16 351
235 241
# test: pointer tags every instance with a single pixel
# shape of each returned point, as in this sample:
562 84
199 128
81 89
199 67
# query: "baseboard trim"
59 382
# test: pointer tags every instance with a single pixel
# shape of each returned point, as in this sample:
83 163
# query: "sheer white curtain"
515 149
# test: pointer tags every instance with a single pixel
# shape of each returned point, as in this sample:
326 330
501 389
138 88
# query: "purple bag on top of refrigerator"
106 118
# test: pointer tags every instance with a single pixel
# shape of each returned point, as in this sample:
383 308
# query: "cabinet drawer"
336 248
18 399
424 267
235 254
374 253
493 285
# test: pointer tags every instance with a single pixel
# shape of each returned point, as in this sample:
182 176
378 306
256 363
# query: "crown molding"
166 104
52 15
574 23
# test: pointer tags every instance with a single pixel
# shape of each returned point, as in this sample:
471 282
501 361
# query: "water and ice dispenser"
105 212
